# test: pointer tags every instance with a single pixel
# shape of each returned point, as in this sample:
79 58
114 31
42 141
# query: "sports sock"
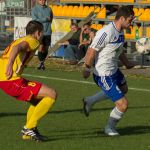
115 116
98 97
40 56
30 112
40 111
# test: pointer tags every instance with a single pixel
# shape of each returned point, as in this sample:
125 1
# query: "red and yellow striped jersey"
22 58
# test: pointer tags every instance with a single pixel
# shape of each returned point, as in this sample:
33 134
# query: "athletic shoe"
111 131
86 108
32 134
42 136
42 67
39 66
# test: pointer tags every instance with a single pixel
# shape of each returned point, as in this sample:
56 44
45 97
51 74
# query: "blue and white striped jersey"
108 44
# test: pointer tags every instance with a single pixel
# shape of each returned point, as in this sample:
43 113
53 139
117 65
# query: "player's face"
39 35
42 2
74 28
86 29
92 34
127 22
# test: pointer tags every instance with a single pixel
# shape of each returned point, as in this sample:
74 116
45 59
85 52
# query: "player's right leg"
89 101
41 98
39 108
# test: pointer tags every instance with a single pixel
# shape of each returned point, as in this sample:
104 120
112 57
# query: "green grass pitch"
67 127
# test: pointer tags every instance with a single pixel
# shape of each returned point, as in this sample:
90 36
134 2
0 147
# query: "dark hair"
86 24
125 11
74 24
93 30
33 26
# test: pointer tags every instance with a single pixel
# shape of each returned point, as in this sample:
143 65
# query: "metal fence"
8 10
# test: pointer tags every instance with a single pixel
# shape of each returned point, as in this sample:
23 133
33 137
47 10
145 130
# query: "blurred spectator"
84 41
91 37
42 13
92 34
71 45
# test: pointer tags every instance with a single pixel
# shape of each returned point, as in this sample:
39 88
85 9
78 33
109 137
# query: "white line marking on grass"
80 81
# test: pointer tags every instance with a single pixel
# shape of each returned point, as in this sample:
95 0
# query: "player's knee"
53 94
122 106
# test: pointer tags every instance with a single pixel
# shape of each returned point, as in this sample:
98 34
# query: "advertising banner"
19 26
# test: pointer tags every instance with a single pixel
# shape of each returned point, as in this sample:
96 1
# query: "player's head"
74 27
92 33
125 16
34 28
86 28
42 2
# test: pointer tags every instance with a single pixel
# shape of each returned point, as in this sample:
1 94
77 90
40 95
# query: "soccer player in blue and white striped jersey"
105 51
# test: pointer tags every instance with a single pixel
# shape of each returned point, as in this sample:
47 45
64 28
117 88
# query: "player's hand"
86 73
83 28
79 45
60 44
48 19
9 72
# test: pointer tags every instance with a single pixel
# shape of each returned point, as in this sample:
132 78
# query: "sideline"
79 81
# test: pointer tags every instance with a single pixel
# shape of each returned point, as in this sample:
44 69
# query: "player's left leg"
43 51
115 116
40 56
116 93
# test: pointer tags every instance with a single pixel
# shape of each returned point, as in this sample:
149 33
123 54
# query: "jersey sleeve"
33 44
100 40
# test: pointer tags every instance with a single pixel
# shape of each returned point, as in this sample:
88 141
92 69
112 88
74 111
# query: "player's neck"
117 25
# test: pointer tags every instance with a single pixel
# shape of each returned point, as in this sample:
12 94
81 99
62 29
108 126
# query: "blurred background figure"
42 13
71 45
84 41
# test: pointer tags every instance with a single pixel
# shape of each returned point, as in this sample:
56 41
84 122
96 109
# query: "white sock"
115 116
98 97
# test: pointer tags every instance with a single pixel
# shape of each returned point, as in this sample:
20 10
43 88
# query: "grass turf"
67 127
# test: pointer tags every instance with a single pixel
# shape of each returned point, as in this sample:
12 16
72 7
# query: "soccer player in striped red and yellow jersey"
12 63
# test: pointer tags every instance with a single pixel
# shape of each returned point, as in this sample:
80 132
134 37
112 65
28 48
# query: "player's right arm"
99 42
89 58
23 46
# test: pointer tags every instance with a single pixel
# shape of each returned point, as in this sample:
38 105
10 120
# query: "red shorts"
21 89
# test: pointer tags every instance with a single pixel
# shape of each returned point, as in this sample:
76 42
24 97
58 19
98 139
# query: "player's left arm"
123 58
23 46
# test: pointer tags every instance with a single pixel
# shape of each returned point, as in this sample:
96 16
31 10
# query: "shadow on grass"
9 114
76 134
97 133
87 133
94 109
134 130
